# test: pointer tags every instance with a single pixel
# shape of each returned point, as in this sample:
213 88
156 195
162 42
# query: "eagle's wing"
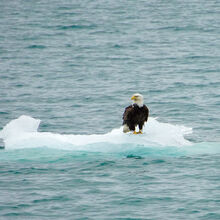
146 112
127 114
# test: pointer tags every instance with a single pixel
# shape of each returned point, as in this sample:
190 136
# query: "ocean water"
67 71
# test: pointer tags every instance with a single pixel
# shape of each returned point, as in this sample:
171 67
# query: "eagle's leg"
140 129
132 128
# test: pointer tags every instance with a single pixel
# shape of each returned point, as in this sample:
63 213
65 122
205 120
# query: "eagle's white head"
138 99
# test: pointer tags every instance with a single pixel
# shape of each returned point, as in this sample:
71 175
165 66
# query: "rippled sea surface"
74 65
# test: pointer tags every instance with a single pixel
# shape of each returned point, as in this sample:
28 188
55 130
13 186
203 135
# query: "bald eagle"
135 114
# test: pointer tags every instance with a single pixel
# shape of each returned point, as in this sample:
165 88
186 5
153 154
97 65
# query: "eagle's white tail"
126 129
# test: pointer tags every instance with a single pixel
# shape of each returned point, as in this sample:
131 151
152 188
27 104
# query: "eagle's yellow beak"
133 98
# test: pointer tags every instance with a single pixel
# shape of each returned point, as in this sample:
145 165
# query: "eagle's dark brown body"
135 115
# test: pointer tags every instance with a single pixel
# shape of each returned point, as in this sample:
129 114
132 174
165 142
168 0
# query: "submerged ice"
23 133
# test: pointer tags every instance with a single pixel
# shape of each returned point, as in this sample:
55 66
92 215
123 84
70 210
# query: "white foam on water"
23 133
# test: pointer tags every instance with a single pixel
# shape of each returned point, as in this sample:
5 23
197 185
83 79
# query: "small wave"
76 26
34 46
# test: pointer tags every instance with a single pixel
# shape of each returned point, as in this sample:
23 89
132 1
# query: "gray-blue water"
74 65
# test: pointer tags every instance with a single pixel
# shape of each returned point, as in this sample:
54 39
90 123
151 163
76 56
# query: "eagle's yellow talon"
140 132
135 132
